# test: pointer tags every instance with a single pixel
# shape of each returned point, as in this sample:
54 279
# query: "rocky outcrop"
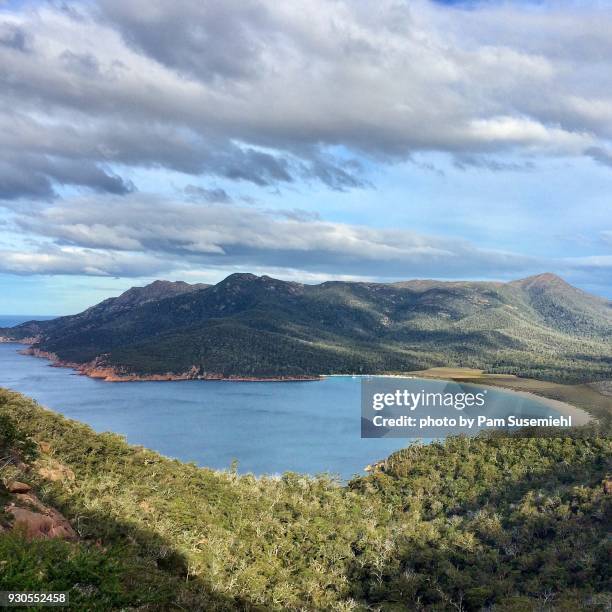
28 514
18 487
378 466
39 521
35 352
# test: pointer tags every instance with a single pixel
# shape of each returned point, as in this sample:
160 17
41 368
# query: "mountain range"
259 327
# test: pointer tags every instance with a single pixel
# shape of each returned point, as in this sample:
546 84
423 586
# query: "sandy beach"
579 416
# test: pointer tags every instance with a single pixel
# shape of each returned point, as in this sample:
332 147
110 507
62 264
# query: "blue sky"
307 141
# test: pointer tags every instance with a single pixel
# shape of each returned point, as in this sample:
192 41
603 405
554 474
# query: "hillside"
128 300
253 326
471 524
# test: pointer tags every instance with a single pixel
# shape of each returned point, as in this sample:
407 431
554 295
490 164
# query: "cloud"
465 161
207 40
50 259
108 235
13 37
280 97
600 155
197 235
273 93
17 182
34 177
197 194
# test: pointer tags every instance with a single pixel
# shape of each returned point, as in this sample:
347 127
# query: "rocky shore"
102 371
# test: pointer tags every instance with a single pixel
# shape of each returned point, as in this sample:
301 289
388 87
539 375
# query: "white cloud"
142 235
188 236
263 91
277 93
50 259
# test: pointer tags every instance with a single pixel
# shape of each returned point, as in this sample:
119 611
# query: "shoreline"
578 415
99 371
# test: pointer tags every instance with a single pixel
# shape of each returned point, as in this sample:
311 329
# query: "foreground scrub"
468 523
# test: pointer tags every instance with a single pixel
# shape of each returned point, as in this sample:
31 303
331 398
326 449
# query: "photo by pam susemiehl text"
429 408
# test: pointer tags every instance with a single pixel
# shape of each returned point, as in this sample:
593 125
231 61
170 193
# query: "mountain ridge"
260 327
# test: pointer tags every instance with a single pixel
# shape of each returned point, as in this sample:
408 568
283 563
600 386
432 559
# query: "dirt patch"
55 472
462 373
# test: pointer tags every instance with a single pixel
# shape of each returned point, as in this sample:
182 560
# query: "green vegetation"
246 325
472 524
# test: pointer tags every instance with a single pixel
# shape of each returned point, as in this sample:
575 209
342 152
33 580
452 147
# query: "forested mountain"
259 326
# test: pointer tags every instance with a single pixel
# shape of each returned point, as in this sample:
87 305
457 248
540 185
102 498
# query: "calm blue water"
308 427
270 428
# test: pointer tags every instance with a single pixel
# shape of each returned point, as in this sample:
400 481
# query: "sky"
311 140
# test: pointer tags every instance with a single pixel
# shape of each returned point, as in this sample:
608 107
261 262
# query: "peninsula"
250 327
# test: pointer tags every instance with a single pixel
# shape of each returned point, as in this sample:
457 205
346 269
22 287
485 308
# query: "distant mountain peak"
546 279
546 276
165 283
137 296
247 282
239 277
158 289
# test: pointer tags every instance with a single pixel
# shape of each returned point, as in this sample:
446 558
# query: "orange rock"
45 447
18 487
42 526
31 501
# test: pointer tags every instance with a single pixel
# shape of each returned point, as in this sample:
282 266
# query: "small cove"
268 428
